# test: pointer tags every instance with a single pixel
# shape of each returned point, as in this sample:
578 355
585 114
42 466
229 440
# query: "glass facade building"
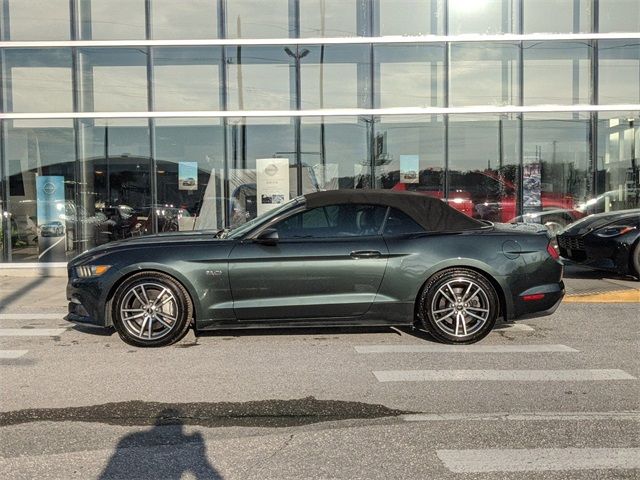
131 117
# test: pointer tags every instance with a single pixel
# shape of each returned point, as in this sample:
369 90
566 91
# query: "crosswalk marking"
523 416
31 332
539 459
514 327
577 375
436 348
31 316
10 354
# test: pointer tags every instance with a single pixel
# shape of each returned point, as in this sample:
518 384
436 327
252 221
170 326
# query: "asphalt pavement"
556 397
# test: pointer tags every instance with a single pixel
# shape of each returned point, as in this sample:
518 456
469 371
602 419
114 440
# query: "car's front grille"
570 243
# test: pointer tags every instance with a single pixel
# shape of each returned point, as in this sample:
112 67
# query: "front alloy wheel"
459 306
151 309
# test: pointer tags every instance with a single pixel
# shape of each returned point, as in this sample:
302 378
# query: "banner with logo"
272 183
50 209
409 169
187 175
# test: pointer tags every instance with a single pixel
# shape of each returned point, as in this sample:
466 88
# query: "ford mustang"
337 258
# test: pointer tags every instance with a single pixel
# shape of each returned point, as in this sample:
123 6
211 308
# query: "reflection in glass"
32 149
190 174
186 78
194 19
410 17
484 166
557 16
334 153
556 73
619 16
482 16
259 78
113 80
556 149
618 170
258 19
410 154
112 19
37 20
484 74
335 76
332 18
38 80
249 139
115 185
618 71
409 75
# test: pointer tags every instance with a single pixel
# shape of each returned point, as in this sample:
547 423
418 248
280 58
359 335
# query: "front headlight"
87 271
614 231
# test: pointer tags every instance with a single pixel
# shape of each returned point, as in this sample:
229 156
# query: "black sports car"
338 258
608 241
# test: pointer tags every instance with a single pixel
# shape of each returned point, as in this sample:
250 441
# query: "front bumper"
86 302
592 251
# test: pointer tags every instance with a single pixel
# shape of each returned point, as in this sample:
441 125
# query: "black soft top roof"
432 214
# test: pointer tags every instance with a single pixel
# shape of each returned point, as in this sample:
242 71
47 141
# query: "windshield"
260 219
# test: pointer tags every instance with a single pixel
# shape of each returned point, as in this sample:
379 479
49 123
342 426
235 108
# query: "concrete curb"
618 296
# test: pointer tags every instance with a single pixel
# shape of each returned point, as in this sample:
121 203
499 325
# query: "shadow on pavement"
6 301
165 451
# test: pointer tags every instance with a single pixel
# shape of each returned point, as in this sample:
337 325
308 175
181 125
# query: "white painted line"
539 459
5 354
31 332
522 416
500 375
32 316
514 327
435 348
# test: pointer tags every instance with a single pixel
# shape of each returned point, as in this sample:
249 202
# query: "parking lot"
557 397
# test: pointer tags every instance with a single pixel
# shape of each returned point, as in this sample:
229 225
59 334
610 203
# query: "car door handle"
366 254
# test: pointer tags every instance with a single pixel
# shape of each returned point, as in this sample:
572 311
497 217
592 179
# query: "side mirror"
269 236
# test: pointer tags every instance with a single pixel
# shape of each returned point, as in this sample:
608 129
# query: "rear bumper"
538 301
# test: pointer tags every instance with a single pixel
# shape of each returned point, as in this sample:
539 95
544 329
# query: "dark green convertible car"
339 258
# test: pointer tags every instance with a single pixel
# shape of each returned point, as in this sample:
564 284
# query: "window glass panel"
186 78
618 173
114 80
409 75
194 19
334 153
619 16
482 16
37 20
410 154
332 18
115 178
557 174
334 221
619 71
335 76
190 174
399 223
40 163
556 73
557 16
112 19
484 74
411 17
250 140
259 78
38 80
258 19
483 166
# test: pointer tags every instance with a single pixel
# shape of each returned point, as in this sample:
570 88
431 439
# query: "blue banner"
50 202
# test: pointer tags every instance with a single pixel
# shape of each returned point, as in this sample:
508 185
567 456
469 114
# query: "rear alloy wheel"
459 306
151 309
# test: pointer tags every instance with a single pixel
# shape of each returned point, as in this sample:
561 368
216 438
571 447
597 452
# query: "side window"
399 223
333 221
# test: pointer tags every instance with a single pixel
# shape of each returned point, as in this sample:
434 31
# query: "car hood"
599 220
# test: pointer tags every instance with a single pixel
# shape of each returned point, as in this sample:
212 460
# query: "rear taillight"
553 252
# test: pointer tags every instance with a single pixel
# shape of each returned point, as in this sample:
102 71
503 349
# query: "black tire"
635 260
161 300
440 317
